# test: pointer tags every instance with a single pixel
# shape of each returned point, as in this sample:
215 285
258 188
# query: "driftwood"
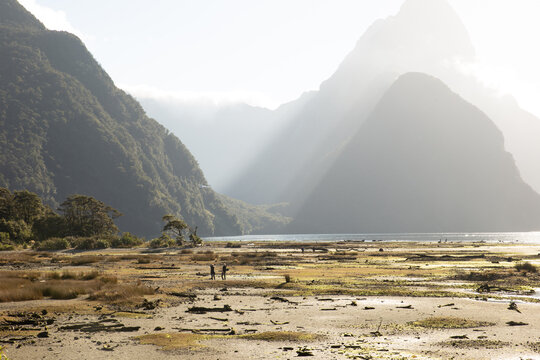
304 352
228 331
204 310
404 307
183 295
513 306
107 325
218 319
515 323
451 304
279 298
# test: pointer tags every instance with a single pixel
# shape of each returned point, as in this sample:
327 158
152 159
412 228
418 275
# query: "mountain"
237 132
289 168
425 36
221 136
425 160
65 128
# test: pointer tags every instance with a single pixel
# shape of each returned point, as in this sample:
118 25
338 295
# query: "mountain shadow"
65 128
425 160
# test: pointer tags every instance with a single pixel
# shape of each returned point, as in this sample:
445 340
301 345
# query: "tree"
176 227
86 216
49 225
6 203
27 206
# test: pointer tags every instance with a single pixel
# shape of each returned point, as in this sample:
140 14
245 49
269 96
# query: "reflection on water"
508 237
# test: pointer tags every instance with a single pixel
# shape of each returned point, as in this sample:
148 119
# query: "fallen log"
204 310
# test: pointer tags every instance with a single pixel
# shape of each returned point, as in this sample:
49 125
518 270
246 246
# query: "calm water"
515 237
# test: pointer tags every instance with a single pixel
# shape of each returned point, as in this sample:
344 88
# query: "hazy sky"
267 52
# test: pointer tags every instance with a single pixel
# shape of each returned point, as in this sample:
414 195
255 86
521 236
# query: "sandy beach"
346 300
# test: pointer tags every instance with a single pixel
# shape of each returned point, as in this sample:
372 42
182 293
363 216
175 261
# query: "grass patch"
121 293
475 344
483 275
132 315
11 333
85 260
450 323
24 285
172 341
206 256
291 336
72 275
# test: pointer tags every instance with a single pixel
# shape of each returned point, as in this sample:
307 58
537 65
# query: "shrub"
206 256
195 239
127 240
6 247
4 238
53 244
18 230
186 251
526 267
60 293
91 243
163 241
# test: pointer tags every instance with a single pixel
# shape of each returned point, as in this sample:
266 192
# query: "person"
224 272
212 272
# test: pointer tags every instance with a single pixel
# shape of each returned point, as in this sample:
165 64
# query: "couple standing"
223 272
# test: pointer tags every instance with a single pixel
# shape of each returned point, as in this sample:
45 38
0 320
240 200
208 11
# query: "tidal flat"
280 300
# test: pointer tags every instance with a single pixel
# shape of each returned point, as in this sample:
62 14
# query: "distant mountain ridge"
425 36
425 160
65 128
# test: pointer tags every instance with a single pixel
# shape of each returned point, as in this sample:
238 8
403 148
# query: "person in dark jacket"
212 272
224 272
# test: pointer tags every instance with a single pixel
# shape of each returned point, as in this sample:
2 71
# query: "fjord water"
506 237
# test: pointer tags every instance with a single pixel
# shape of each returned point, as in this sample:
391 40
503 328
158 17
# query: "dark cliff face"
425 160
65 128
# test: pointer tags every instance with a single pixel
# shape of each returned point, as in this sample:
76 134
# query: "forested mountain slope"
65 128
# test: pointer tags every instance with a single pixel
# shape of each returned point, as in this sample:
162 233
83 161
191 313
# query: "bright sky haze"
268 52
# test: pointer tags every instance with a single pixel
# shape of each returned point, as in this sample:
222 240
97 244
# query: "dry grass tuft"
205 256
23 285
85 260
475 344
172 341
113 293
280 336
450 323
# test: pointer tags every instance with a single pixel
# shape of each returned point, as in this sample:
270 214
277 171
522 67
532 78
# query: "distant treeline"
81 222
